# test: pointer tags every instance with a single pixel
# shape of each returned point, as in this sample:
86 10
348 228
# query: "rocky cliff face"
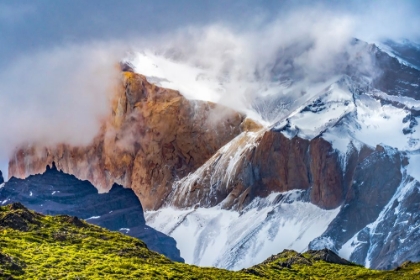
153 136
56 193
256 164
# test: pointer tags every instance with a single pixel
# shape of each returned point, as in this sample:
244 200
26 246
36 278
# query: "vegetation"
34 246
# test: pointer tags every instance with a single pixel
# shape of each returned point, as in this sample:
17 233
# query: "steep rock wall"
153 136
256 164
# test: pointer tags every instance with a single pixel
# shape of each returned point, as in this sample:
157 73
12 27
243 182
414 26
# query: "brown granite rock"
255 164
327 189
258 163
153 136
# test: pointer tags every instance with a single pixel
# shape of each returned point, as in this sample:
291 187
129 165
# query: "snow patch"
349 247
93 217
234 240
413 168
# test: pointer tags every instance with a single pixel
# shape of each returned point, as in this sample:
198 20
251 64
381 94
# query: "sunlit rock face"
153 136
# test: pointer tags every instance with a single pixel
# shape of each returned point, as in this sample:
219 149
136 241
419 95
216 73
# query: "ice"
333 103
413 167
234 240
348 248
2 185
406 101
93 217
373 229
385 125
30 193
126 230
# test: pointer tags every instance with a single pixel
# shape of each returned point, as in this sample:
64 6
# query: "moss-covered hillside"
34 246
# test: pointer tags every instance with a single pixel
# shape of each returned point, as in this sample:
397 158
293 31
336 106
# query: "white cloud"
55 96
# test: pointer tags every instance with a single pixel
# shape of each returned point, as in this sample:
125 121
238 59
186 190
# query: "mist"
57 90
282 58
57 96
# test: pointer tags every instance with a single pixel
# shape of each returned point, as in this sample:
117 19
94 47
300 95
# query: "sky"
54 54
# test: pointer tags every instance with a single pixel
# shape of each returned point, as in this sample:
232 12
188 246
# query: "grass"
34 246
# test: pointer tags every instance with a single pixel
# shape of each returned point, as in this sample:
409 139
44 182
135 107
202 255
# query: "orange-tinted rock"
153 136
256 164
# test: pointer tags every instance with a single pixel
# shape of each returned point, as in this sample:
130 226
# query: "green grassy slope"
34 246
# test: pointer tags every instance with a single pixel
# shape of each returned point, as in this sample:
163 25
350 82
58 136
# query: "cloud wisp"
56 96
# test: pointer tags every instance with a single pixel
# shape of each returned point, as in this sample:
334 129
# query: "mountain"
334 167
56 193
38 246
153 136
405 51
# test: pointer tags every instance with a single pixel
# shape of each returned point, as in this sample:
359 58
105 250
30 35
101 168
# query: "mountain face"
56 193
336 168
152 137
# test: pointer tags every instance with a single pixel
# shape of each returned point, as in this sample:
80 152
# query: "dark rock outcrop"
21 219
12 264
56 193
375 181
327 255
395 78
1 178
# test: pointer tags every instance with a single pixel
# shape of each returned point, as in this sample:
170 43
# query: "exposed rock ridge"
153 136
256 164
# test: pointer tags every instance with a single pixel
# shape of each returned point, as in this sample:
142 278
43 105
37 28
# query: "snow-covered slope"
348 143
234 240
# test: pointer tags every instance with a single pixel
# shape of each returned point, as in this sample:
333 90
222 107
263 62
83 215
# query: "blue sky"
31 30
29 25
